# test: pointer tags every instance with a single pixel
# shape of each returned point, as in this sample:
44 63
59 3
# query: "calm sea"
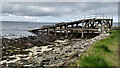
20 29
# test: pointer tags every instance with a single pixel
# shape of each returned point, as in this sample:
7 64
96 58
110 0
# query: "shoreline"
16 36
48 49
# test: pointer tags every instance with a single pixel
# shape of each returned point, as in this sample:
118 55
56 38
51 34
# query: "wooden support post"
88 24
60 30
82 29
76 30
66 30
87 36
42 31
54 31
72 30
72 25
47 31
66 33
102 27
71 33
82 34
107 25
76 25
96 24
111 23
92 32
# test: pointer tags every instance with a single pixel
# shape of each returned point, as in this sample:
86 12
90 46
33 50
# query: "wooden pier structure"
80 27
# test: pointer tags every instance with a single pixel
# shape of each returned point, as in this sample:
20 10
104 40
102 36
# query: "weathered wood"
94 25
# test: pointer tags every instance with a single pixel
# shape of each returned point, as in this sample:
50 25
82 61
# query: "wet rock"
39 55
68 50
41 52
4 58
45 62
23 56
50 46
11 64
12 58
38 51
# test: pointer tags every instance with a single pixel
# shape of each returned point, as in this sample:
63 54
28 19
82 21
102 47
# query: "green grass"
102 52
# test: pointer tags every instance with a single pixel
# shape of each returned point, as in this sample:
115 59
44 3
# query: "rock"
79 55
13 61
4 58
23 56
68 50
39 54
12 58
61 41
50 46
82 50
57 52
107 34
65 44
44 50
81 47
11 64
85 44
38 51
30 65
30 54
3 61
45 61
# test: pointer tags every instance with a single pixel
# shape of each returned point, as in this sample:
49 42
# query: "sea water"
20 29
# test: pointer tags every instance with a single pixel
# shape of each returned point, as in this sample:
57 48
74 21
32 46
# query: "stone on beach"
52 54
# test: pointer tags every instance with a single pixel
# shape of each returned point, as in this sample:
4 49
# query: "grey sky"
60 0
56 11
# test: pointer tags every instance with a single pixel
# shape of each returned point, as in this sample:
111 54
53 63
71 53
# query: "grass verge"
102 52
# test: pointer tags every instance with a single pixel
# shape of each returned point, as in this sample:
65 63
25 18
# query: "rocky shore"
43 50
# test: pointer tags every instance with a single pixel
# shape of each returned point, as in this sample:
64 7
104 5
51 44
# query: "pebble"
54 55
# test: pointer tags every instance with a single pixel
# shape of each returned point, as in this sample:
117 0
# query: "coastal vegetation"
49 50
101 53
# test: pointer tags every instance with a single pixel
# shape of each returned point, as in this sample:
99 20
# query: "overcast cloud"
55 11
